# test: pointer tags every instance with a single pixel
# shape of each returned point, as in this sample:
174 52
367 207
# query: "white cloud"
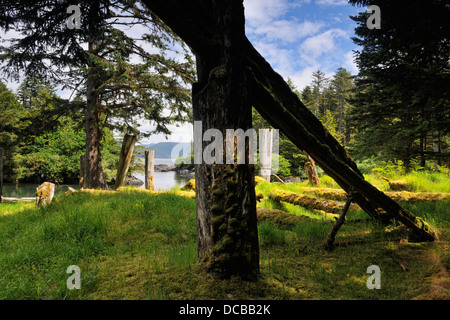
287 30
258 12
350 64
332 2
322 43
181 133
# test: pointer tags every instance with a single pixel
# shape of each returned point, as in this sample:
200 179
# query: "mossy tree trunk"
226 204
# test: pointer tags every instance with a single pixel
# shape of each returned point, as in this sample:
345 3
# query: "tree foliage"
402 98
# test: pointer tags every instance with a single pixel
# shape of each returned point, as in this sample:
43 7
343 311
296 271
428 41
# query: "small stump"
190 185
45 193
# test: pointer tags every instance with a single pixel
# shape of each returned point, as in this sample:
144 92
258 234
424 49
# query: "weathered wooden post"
311 172
45 193
82 171
1 174
265 153
125 158
149 170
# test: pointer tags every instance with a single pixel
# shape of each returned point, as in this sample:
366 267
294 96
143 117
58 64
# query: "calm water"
163 181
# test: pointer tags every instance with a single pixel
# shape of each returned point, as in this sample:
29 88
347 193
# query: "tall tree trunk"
437 147
422 147
93 169
226 204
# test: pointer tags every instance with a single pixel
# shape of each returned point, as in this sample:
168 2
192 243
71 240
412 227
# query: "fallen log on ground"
11 199
398 185
310 202
405 196
281 219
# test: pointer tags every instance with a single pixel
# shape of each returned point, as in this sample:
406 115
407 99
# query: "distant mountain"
163 150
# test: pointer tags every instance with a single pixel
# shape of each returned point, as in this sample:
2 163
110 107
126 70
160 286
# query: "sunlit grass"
134 244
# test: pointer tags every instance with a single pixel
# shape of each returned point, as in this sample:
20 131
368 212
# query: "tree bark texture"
93 168
124 161
276 102
226 204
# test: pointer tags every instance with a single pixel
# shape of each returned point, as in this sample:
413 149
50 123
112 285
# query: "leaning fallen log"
309 202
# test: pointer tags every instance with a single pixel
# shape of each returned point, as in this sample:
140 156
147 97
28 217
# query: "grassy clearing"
136 245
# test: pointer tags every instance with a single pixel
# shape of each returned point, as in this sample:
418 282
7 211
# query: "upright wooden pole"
311 172
1 174
265 153
149 170
82 171
125 158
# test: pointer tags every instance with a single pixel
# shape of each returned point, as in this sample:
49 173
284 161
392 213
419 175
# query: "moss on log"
190 185
310 202
405 196
398 185
281 219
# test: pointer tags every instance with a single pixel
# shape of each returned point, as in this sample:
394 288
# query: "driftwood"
25 199
194 22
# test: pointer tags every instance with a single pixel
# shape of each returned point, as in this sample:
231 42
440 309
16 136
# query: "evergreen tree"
10 128
114 86
342 85
319 82
402 96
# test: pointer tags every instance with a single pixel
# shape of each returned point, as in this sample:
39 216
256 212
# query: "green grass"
135 245
420 181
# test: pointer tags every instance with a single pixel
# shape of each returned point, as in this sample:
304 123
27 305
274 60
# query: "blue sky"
297 37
